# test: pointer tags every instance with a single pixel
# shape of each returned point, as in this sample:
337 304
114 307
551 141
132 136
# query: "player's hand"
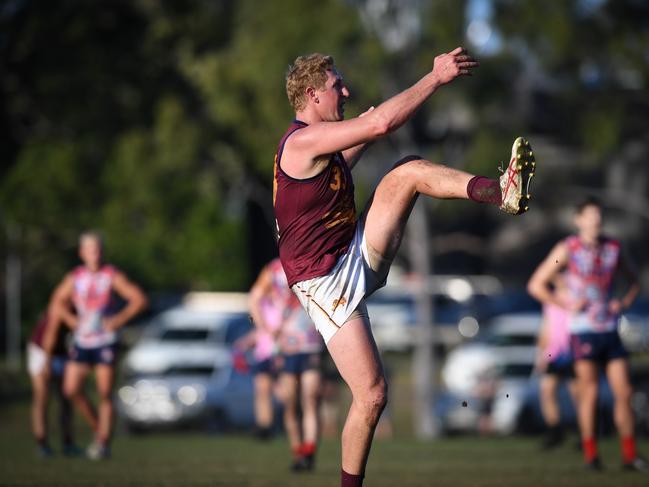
615 306
576 305
449 66
110 324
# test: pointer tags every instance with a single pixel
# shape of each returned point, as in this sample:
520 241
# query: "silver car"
180 372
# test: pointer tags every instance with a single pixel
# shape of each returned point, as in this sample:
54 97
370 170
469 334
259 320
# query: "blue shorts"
264 367
297 363
58 365
106 355
598 347
562 366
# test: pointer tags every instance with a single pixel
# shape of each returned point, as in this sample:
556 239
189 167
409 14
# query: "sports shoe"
303 464
515 181
595 465
71 450
97 451
44 451
638 464
553 438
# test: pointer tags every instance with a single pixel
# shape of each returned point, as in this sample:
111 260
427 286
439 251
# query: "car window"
184 334
516 370
189 370
237 328
511 340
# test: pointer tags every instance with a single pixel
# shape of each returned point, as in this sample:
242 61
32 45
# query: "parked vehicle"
180 371
490 375
493 375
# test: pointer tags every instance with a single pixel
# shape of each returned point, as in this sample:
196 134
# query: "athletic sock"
484 190
629 452
590 449
297 451
349 480
308 448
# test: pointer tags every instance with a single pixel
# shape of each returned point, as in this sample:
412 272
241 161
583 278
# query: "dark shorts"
264 367
598 347
106 355
562 366
298 363
58 365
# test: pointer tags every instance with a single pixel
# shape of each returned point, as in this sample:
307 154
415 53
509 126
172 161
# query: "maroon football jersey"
315 217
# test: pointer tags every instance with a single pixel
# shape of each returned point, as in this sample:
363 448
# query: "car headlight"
128 395
191 394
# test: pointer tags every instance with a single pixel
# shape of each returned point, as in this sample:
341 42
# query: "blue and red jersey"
589 277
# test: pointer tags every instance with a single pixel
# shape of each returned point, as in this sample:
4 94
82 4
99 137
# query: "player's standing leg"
587 385
617 373
105 377
356 356
310 385
73 381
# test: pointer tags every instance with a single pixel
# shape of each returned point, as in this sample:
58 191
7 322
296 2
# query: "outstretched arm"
135 298
323 138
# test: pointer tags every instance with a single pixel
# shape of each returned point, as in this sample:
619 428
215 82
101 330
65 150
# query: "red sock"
590 449
484 190
349 480
297 451
629 452
308 448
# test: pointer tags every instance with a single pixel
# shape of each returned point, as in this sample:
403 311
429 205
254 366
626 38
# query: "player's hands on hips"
450 65
615 306
110 324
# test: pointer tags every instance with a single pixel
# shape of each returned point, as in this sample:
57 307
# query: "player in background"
300 381
269 298
46 358
591 264
555 363
89 290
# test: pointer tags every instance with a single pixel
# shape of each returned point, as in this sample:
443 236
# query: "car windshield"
184 334
516 370
511 340
189 370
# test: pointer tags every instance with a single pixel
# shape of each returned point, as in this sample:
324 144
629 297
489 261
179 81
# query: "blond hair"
91 235
309 70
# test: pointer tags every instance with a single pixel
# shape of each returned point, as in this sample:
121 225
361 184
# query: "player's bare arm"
136 301
625 269
59 308
307 151
539 284
262 287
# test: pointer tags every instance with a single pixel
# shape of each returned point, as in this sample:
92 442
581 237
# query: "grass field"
197 459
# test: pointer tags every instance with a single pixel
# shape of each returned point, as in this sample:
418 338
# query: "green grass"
197 459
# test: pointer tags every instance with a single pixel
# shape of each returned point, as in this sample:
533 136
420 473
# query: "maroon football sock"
484 190
349 480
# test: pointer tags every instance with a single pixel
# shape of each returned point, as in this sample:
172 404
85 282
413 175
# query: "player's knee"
377 398
71 393
408 160
624 394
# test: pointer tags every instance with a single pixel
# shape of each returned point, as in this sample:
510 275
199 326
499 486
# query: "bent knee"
376 397
411 159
